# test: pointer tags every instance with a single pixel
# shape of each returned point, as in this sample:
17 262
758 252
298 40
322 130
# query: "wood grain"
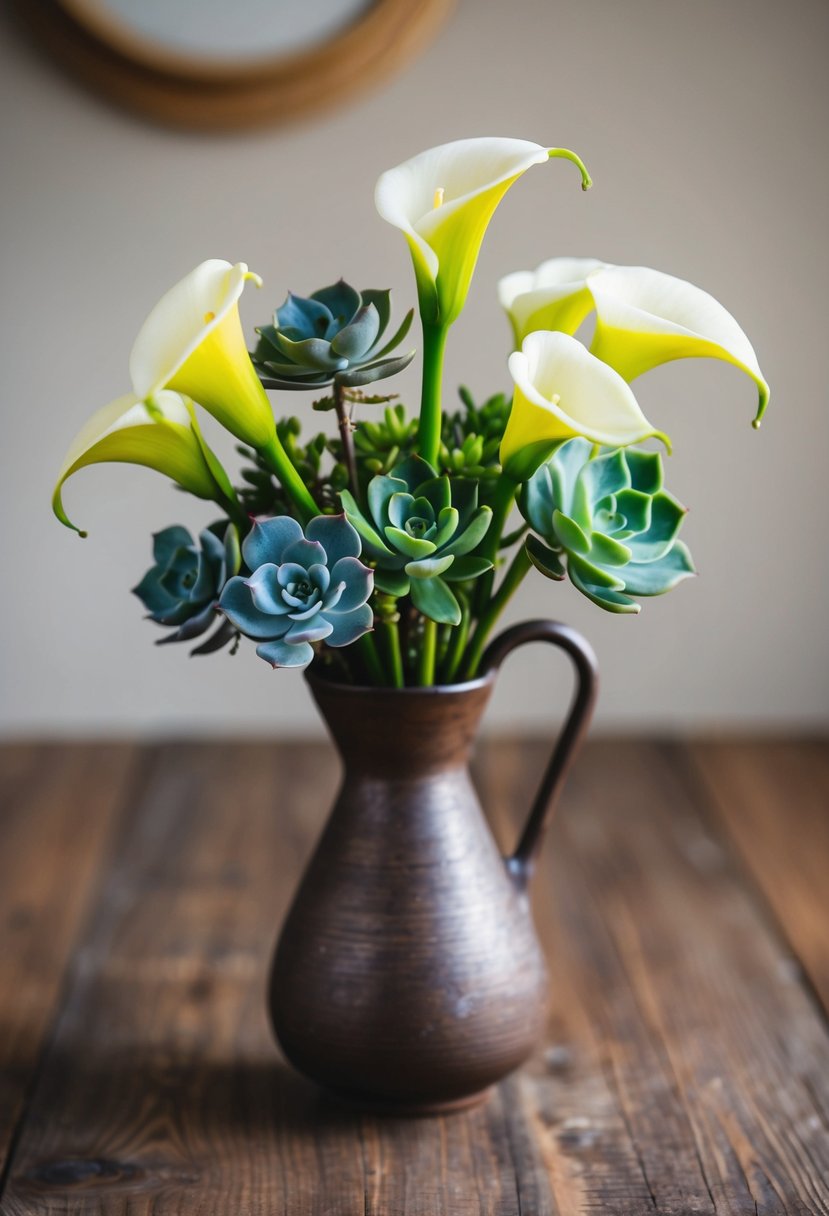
58 809
773 798
686 1067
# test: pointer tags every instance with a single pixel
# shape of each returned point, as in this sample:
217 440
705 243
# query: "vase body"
408 975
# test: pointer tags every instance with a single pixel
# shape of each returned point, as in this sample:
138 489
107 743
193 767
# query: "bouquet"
384 546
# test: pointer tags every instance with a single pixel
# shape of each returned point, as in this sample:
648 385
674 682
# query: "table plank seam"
688 772
612 1080
138 779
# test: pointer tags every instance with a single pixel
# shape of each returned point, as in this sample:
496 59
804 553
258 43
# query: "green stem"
457 646
235 513
502 503
279 462
429 427
390 634
369 655
512 579
426 663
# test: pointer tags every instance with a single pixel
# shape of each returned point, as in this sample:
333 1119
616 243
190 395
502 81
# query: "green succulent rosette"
182 589
420 530
607 523
334 336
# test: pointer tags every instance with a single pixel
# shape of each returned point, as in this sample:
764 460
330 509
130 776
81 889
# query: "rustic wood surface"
683 901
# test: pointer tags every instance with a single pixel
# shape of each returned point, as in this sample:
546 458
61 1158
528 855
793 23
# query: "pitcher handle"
521 862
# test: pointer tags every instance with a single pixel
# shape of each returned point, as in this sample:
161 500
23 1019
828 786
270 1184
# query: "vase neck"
387 732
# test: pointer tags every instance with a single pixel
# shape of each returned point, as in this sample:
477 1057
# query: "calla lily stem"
368 653
234 512
457 646
512 579
502 503
428 435
388 631
291 482
428 654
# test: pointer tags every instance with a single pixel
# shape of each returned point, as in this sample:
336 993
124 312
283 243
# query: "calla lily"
645 317
561 391
162 435
443 199
192 342
555 296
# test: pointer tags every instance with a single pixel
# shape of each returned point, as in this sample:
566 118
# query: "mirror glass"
215 31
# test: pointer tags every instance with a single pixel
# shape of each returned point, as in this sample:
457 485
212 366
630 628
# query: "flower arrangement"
383 548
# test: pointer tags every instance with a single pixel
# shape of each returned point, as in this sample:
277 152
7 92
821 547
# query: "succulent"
420 530
382 444
184 585
335 336
303 588
609 521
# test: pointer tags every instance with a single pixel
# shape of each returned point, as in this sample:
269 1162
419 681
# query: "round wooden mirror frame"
184 92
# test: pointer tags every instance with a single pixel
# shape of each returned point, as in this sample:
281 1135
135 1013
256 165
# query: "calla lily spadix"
555 296
645 318
561 391
192 342
443 199
163 435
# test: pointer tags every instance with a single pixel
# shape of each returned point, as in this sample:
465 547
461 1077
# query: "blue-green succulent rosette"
607 522
334 336
182 589
303 588
420 530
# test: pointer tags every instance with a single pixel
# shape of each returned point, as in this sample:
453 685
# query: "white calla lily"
555 296
561 391
192 342
162 435
645 318
443 199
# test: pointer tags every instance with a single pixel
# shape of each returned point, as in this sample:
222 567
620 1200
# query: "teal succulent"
607 520
183 587
303 588
420 530
335 336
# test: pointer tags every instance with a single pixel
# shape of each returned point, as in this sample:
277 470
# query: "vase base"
408 1110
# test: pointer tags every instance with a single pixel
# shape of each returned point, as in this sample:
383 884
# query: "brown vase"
408 976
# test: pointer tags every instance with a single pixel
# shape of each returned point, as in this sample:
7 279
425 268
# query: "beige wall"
704 127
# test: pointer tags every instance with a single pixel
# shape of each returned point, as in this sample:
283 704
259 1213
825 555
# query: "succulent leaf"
432 597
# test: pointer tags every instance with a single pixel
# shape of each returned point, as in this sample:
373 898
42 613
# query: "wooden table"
684 902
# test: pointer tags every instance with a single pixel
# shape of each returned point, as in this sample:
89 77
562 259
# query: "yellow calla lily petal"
192 342
443 200
645 318
162 436
561 391
555 296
